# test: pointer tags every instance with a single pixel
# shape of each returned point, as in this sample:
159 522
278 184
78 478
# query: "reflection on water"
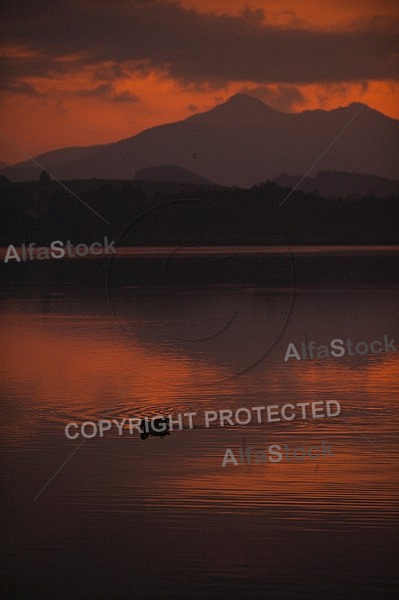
163 519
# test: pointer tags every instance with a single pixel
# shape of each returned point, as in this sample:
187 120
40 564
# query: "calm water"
161 518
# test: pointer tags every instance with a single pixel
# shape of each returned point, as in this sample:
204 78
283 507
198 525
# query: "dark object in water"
157 427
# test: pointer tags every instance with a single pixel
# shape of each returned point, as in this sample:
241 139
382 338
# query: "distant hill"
239 142
171 173
53 161
341 185
3 165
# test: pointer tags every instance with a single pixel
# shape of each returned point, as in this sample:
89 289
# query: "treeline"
151 213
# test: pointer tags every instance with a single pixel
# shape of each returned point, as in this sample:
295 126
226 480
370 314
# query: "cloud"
17 87
189 46
110 72
100 91
106 91
125 97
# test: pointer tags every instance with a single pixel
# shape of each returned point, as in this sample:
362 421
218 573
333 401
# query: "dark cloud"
106 91
190 46
19 88
110 73
125 97
98 92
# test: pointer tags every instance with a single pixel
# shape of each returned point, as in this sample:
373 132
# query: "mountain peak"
244 99
356 107
246 102
240 108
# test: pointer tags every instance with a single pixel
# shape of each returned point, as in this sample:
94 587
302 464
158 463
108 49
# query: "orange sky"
75 107
311 13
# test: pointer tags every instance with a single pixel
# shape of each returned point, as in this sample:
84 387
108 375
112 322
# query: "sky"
83 72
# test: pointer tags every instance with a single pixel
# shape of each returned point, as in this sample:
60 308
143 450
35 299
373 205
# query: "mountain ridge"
242 141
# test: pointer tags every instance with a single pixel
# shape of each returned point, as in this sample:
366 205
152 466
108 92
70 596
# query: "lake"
122 517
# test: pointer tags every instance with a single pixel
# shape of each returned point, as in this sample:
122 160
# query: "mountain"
341 185
171 173
53 161
3 165
240 142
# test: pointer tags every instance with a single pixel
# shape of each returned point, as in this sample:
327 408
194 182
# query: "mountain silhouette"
240 142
